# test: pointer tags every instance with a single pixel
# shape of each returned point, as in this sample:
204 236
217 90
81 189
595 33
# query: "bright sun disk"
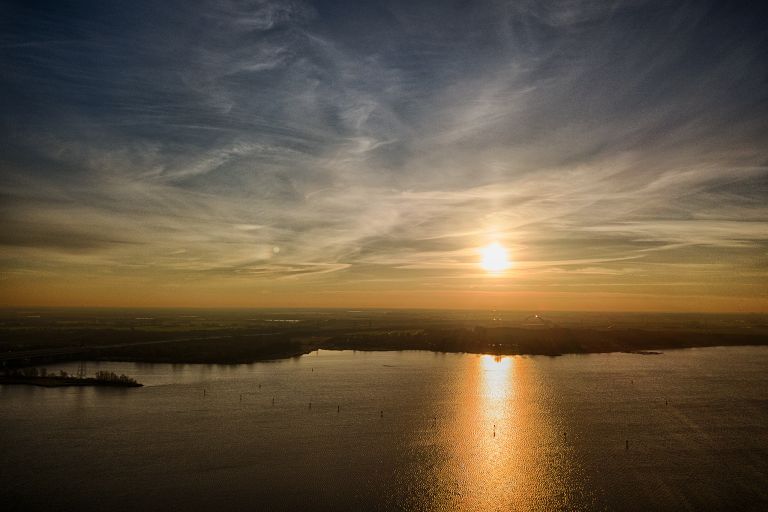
494 258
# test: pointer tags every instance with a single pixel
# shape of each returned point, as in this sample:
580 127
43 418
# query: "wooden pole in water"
338 408
382 414
626 445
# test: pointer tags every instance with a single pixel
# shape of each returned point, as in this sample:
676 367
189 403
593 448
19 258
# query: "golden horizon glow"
495 259
455 178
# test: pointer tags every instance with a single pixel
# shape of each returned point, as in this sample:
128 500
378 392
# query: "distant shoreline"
501 342
57 382
220 340
546 341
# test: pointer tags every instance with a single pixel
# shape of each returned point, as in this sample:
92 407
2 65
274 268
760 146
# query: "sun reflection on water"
496 374
505 448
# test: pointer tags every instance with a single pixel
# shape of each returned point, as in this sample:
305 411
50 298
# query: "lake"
343 430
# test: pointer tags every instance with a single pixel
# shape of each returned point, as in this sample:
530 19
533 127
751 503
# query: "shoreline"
274 359
241 347
58 382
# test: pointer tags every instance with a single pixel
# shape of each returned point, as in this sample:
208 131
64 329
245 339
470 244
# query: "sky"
360 153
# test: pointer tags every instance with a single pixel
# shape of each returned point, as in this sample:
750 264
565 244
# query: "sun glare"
494 258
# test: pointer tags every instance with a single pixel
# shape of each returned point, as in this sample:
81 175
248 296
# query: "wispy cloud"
265 140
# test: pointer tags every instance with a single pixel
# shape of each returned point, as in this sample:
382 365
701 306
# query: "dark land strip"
242 346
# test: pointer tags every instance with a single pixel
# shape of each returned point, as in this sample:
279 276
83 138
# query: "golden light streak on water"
507 450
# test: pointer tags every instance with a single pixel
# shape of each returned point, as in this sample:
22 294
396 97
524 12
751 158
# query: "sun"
494 258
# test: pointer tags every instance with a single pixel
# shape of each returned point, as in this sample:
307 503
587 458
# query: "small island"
41 377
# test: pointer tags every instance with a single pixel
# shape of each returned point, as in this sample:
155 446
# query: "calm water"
399 431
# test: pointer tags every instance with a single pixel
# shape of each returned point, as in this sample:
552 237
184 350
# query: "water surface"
686 430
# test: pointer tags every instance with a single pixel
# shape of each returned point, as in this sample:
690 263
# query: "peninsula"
35 377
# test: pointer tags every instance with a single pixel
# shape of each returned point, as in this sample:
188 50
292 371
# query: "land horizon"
234 336
353 308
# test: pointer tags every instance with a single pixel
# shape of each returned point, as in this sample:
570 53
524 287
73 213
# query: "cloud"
390 138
